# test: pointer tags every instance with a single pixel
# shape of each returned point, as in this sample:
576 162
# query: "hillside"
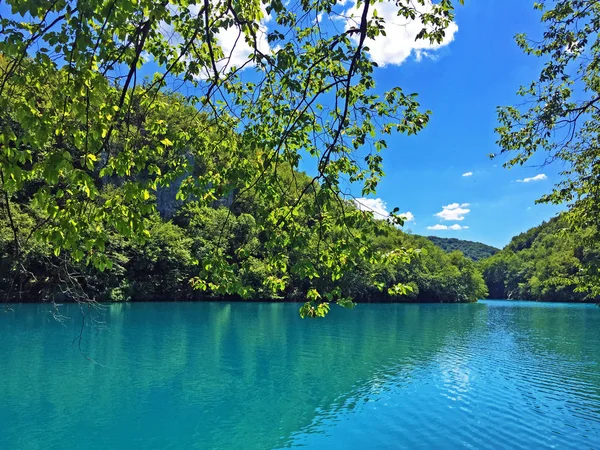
474 250
546 263
158 240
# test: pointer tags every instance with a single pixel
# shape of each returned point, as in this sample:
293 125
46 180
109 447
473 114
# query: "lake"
494 374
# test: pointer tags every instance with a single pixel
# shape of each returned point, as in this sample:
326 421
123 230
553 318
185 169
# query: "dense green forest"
166 265
545 263
185 223
474 250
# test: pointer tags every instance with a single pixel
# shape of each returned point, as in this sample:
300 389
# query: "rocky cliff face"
166 198
167 203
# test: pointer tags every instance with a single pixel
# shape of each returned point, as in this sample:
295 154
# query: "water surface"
247 375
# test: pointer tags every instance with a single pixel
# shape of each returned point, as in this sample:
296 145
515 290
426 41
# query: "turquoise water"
246 375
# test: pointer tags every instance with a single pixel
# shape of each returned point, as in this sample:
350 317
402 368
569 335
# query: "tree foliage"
183 248
473 250
560 115
84 93
545 263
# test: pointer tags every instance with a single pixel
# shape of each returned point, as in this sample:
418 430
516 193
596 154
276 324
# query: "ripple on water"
490 375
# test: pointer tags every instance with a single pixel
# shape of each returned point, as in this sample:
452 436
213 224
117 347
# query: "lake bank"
299 301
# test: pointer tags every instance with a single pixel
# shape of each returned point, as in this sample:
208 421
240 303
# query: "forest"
541 264
545 263
474 250
183 237
137 163
210 244
213 244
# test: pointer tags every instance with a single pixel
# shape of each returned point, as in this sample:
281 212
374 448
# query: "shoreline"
298 302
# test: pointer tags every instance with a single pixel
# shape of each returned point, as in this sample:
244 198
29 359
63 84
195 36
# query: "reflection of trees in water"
254 370
212 374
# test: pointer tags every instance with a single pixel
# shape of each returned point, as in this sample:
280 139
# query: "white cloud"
232 41
446 227
454 211
379 208
437 227
539 177
401 33
573 47
235 48
420 54
375 205
407 216
467 174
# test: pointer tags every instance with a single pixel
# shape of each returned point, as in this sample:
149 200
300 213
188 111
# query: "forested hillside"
172 261
546 263
474 250
187 225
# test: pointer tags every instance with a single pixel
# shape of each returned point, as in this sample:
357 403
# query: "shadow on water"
220 375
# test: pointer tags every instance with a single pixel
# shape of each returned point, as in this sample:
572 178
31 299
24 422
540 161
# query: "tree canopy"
544 263
83 90
472 250
182 244
560 116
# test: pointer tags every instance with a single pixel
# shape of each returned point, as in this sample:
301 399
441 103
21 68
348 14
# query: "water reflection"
215 375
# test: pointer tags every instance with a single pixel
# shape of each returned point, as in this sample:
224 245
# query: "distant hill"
474 250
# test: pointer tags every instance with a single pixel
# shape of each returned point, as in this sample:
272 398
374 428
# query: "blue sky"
462 82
